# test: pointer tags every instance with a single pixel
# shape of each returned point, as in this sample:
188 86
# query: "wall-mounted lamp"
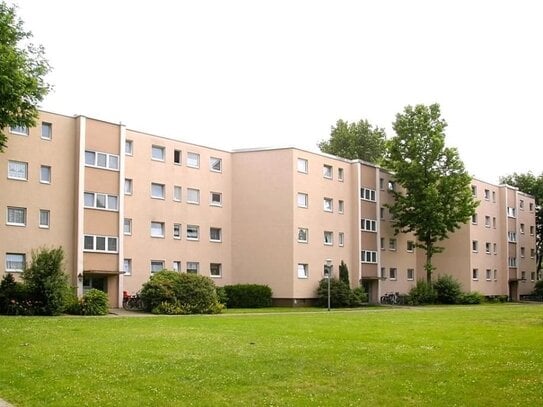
80 277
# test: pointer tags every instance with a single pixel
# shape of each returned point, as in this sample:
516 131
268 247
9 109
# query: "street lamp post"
328 271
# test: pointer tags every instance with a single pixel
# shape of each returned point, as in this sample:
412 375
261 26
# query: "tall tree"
358 140
533 185
435 198
22 70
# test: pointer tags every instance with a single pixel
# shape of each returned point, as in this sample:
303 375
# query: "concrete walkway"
5 404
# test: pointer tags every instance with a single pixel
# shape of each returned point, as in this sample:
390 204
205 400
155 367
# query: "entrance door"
99 283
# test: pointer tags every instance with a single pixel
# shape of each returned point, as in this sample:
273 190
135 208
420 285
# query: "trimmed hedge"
248 296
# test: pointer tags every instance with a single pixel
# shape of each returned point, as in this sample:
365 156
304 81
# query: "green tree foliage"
448 290
22 70
340 294
533 185
170 292
45 281
436 197
344 273
358 140
538 288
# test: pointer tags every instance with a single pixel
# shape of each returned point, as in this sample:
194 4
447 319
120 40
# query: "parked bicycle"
132 302
391 298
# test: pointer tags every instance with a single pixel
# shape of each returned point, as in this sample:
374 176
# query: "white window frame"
511 212
107 240
393 273
49 134
512 236
213 161
302 200
302 270
127 267
177 193
176 265
304 231
368 194
341 206
194 200
128 186
15 211
109 160
412 276
177 230
213 201
487 222
45 180
193 232
13 173
178 153
155 150
13 260
155 265
19 130
341 239
368 256
475 274
486 194
193 267
216 266
128 147
330 241
475 246
340 174
155 226
302 165
211 239
328 205
327 171
392 244
488 247
44 214
368 225
193 160
162 187
108 200
127 226
410 246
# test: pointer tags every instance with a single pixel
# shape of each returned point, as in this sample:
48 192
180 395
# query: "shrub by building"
248 296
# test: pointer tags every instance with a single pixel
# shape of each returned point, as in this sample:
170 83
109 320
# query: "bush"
13 297
344 273
180 293
340 294
447 289
222 296
46 284
248 296
538 288
422 293
93 302
470 298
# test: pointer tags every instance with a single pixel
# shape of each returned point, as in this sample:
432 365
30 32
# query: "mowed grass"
488 355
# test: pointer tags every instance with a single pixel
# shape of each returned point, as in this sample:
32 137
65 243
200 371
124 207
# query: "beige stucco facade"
124 204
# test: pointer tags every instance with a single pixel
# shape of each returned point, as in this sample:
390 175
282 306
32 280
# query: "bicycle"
391 298
132 302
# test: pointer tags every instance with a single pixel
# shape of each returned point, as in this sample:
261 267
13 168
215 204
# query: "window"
303 270
302 165
392 243
177 231
475 274
488 274
381 184
495 274
532 253
16 216
303 235
523 276
495 248
127 267
383 273
17 170
381 212
100 201
494 222
473 190
493 196
176 265
46 131
216 199
521 204
391 186
192 267
302 200
327 171
105 244
45 218
215 270
20 130
215 164
487 247
531 206
368 256
157 191
340 174
393 272
410 246
410 274
328 238
474 245
177 193
158 153
341 206
512 261
215 234
487 221
512 236
522 228
193 232
101 160
341 239
45 174
474 219
193 196
157 229
193 160
522 251
127 226
367 194
532 230
511 212
128 147
532 276
382 244
487 195
177 157
157 265
328 204
369 225
15 262
128 186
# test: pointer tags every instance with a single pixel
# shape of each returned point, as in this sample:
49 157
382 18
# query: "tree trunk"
428 266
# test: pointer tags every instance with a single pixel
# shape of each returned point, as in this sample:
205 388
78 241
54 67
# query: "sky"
250 73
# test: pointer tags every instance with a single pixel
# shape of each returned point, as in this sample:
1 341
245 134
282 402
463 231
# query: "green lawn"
487 355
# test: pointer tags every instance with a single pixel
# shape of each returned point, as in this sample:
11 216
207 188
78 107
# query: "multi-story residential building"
125 204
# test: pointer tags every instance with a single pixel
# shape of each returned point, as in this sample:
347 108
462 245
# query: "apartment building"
124 204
